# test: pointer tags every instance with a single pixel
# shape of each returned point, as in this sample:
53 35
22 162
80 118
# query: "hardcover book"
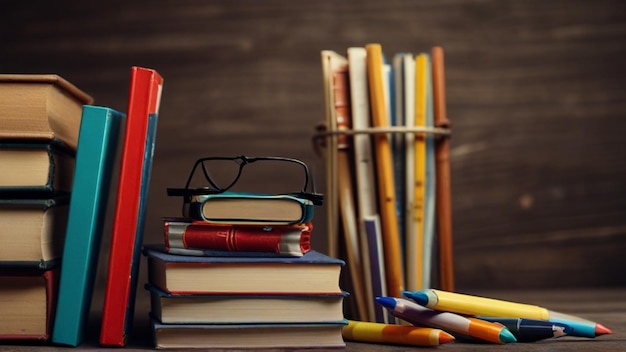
171 308
130 208
32 231
35 170
313 272
40 107
248 336
27 303
251 208
97 144
194 237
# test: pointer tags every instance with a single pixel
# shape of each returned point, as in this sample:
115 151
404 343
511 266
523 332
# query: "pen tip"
602 330
444 337
559 331
387 302
506 336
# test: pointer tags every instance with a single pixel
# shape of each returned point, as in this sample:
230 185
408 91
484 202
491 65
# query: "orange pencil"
361 331
384 169
442 166
467 326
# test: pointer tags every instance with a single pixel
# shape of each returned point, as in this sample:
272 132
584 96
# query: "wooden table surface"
606 306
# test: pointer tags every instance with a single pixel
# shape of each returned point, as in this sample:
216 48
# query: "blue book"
97 144
313 272
251 208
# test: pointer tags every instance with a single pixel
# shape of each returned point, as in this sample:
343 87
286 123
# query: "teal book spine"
95 157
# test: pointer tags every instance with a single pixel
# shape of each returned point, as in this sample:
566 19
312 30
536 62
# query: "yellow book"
384 170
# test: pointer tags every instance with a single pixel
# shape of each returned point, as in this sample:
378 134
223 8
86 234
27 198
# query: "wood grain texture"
535 94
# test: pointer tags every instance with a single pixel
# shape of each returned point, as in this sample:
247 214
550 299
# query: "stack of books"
239 272
40 117
387 174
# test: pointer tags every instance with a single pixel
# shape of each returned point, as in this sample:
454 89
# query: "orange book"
384 170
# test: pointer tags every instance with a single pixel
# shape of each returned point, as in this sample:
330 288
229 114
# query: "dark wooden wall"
535 92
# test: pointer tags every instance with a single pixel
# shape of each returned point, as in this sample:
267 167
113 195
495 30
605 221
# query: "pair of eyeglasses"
203 164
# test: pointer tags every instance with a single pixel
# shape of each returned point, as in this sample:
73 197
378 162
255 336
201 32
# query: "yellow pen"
362 331
488 307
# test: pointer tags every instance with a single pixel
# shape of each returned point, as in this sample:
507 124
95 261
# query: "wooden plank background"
535 93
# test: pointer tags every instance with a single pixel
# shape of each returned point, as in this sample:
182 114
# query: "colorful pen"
450 322
531 330
362 331
489 307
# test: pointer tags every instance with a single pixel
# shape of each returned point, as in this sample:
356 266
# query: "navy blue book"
311 273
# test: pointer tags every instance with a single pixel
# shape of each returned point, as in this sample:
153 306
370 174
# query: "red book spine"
252 238
126 236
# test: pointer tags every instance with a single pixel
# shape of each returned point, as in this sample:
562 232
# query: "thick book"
32 231
40 107
251 208
130 208
95 157
248 336
171 308
313 272
195 237
35 169
27 304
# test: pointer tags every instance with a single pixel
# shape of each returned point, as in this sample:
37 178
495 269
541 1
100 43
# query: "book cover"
33 169
197 236
97 144
171 308
248 336
251 208
132 193
40 107
32 231
28 303
384 168
313 272
377 265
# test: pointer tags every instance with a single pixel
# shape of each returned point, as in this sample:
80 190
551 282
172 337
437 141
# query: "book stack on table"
40 118
238 273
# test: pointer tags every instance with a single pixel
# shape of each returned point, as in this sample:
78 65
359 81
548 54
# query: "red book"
184 236
130 208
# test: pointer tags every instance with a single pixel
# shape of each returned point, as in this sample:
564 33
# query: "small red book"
186 236
130 208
